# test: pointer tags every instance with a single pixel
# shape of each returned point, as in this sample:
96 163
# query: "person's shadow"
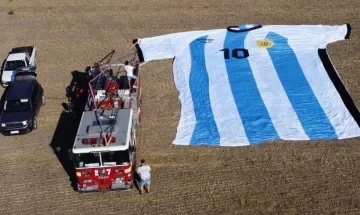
136 181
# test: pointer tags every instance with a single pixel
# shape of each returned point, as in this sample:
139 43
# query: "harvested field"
274 178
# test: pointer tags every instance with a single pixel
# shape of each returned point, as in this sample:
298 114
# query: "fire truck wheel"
34 123
131 185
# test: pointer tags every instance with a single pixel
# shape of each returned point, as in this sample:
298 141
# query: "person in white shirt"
130 74
144 173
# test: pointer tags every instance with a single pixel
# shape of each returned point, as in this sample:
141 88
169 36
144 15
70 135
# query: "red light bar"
91 141
94 141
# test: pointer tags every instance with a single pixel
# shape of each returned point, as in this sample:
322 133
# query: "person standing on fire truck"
129 70
144 173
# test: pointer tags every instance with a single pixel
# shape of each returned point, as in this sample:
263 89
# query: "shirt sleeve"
164 46
321 35
328 34
155 48
317 36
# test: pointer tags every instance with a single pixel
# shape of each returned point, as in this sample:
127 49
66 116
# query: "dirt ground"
273 178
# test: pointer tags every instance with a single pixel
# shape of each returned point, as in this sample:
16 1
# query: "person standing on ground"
144 173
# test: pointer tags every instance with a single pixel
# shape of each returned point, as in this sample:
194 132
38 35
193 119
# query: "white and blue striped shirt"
250 84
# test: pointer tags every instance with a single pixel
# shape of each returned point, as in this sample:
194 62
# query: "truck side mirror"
132 149
70 154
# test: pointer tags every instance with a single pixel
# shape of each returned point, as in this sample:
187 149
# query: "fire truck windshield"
109 158
87 160
115 158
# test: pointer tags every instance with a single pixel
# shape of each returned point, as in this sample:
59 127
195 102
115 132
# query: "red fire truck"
104 151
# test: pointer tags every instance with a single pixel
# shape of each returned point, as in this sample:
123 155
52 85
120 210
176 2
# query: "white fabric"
281 90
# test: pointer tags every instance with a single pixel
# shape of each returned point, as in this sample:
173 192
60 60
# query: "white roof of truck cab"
90 128
16 56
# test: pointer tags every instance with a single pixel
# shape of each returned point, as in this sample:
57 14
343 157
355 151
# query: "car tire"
34 124
5 133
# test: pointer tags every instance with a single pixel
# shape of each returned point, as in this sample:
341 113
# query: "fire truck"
104 150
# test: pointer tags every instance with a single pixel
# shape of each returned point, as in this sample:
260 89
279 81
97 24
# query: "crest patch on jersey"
264 43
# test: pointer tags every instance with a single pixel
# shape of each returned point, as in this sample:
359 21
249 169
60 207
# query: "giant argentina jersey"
250 84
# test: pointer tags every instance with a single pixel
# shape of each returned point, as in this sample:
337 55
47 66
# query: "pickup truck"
17 59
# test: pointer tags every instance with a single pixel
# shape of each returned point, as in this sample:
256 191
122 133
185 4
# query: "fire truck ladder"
97 78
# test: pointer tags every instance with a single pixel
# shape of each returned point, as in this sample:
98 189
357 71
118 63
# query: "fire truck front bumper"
88 188
97 188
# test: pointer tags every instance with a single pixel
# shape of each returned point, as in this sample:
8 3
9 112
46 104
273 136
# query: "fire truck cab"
105 167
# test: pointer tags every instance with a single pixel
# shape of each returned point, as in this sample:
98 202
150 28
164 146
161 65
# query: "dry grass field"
273 178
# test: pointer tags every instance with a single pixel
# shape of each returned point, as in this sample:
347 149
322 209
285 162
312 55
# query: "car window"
13 65
17 105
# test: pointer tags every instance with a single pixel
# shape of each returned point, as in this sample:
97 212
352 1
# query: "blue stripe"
254 115
205 131
242 27
298 90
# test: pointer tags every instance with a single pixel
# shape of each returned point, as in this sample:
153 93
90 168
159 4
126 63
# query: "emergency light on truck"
94 141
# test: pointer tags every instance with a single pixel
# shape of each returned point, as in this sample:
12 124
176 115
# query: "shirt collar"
243 28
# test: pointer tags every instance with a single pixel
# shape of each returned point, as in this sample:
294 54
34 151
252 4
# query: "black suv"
20 105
